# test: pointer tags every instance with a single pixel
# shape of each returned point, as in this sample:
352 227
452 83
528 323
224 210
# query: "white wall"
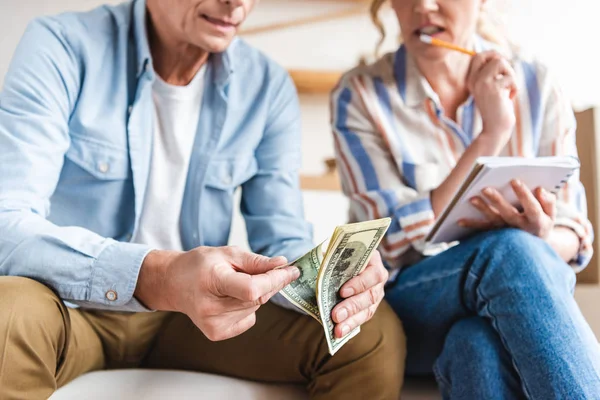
563 34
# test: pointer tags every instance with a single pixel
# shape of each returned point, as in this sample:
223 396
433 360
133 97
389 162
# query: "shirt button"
111 295
103 167
226 180
128 237
129 109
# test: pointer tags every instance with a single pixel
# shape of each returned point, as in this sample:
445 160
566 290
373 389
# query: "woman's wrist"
491 143
564 241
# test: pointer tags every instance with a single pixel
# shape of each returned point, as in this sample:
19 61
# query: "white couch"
325 210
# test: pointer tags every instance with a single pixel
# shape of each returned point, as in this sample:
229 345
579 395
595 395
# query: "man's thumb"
254 264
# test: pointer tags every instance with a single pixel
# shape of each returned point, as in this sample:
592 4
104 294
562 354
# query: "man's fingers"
355 304
374 274
238 327
225 305
252 263
256 288
348 325
225 325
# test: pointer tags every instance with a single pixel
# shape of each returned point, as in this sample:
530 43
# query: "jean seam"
442 381
494 323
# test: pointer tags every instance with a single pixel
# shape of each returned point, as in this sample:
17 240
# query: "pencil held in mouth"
437 42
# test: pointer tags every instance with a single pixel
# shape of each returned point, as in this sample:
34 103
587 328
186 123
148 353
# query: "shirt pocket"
223 177
229 173
89 159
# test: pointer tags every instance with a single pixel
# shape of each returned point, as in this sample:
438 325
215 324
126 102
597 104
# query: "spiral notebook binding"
563 181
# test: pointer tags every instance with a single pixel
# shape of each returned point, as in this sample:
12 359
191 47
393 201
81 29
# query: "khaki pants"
44 345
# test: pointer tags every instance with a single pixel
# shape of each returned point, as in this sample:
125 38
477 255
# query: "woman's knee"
511 241
520 255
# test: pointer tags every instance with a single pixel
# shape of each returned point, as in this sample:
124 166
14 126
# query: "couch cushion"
155 384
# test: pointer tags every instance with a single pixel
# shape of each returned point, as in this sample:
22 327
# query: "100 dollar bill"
327 267
303 291
350 251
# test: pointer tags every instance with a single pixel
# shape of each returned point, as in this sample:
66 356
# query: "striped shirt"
394 146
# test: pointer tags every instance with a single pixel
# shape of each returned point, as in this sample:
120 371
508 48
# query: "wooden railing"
588 146
309 80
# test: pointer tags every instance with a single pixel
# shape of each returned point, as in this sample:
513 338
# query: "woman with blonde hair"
494 316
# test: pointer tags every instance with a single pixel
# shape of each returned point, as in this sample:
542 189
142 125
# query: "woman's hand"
537 217
491 80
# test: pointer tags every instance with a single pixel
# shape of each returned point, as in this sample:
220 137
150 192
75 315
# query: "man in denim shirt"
124 132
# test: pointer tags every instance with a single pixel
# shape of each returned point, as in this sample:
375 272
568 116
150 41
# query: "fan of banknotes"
325 269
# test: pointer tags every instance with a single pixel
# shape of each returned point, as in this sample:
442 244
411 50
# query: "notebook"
550 173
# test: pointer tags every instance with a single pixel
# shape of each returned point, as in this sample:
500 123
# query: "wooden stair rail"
356 10
315 81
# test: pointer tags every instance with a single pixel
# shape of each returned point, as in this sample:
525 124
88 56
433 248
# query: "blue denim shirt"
76 117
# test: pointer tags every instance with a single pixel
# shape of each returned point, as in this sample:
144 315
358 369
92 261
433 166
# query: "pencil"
437 42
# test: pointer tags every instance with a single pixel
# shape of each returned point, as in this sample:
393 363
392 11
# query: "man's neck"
175 61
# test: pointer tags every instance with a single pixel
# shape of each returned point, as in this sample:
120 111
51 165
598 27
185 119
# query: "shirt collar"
141 36
413 87
221 62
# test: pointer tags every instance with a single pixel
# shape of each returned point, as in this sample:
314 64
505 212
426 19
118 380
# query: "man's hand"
219 288
363 294
537 217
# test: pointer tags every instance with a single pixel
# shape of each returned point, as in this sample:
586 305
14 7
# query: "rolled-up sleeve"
41 89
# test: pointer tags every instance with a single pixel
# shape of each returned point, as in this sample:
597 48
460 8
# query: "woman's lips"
429 30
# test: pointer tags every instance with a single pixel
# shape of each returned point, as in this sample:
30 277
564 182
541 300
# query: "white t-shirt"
177 110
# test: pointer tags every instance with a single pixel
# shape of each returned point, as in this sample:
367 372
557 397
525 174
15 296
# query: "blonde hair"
487 28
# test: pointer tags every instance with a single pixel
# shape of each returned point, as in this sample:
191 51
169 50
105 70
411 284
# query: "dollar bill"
327 267
303 291
349 254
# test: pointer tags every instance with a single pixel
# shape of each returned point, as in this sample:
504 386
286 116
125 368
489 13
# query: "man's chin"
216 44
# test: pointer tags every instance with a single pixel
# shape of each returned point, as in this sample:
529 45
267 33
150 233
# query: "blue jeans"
495 318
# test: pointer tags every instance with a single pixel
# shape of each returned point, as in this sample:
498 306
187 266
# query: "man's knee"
27 306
